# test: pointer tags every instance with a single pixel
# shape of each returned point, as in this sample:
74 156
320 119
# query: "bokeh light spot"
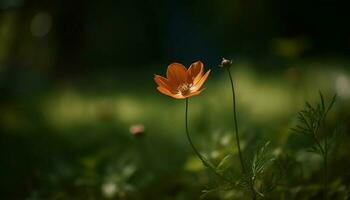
41 24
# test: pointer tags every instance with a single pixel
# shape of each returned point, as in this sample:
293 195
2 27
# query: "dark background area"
82 35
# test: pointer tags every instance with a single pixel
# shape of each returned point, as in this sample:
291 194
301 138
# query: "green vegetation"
73 142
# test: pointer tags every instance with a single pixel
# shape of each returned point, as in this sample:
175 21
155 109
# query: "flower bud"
225 63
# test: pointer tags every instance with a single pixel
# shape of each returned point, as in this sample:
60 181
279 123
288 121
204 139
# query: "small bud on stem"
225 63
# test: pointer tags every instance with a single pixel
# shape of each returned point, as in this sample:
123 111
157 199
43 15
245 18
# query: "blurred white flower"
225 140
109 189
342 86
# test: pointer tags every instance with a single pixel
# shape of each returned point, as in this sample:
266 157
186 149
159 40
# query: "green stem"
204 161
237 135
235 122
324 152
325 157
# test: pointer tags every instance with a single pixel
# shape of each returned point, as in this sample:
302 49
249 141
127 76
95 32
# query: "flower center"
184 88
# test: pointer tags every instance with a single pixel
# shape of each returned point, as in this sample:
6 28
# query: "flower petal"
195 93
163 82
176 74
195 72
168 93
200 83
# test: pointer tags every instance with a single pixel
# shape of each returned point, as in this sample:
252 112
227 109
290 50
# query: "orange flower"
182 83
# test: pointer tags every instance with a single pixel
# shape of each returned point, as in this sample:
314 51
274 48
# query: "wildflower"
226 63
181 83
137 129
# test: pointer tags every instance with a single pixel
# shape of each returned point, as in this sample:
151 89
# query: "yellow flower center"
184 88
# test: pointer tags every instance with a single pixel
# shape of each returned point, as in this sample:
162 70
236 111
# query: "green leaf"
262 159
314 149
322 100
224 163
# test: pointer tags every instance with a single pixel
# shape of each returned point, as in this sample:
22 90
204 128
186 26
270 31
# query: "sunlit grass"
261 99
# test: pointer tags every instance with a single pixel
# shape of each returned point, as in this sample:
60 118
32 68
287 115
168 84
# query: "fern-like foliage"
311 119
312 124
262 159
259 179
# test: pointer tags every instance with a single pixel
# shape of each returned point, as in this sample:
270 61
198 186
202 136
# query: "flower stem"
235 122
324 153
204 161
253 192
325 157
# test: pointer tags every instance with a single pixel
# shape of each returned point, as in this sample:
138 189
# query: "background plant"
312 124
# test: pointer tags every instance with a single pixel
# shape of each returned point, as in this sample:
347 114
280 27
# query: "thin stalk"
204 161
325 157
235 122
324 153
237 135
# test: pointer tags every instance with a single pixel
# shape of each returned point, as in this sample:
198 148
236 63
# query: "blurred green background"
76 75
